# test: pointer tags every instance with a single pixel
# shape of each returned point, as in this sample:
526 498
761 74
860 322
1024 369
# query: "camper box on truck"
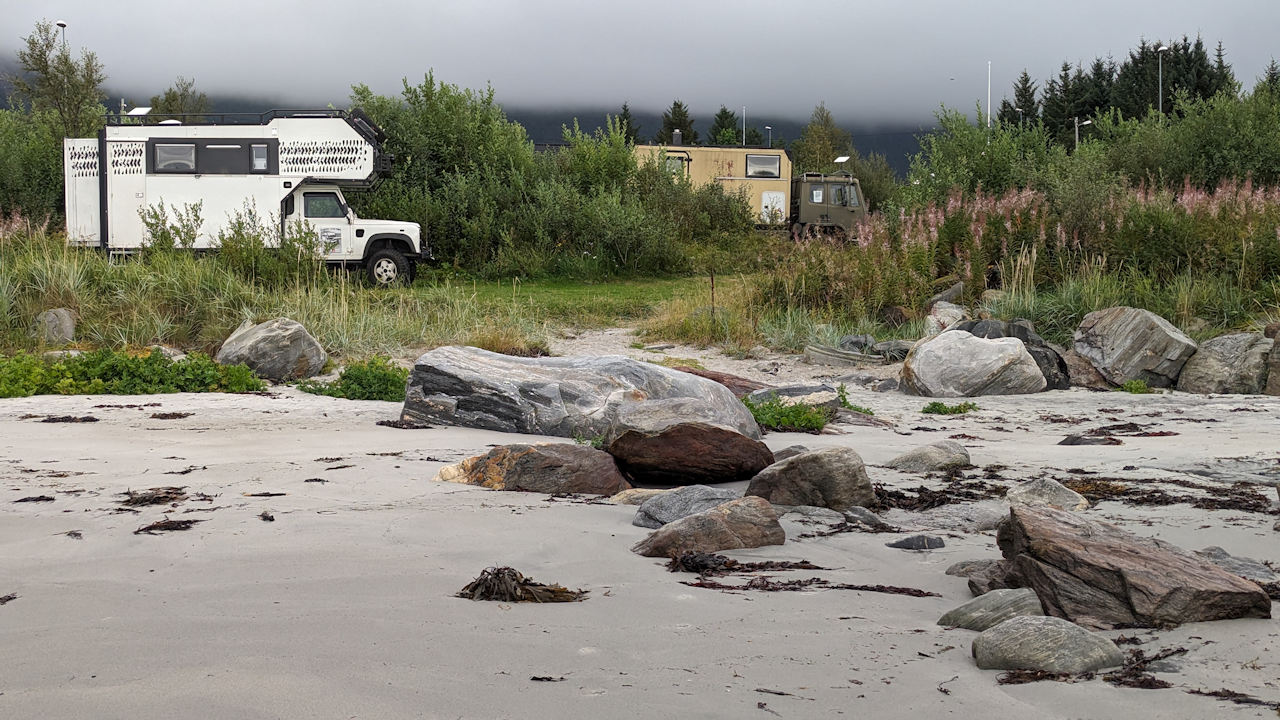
289 166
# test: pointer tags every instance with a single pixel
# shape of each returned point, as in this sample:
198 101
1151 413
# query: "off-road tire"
388 267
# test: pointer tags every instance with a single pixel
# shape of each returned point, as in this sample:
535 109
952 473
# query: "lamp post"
62 25
1019 116
769 128
1160 51
1078 126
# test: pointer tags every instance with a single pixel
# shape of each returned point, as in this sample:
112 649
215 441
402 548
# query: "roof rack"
228 118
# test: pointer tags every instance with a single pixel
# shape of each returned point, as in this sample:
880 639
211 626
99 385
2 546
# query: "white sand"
343 607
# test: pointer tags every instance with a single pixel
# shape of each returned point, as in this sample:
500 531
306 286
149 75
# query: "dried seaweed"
6 599
848 527
154 496
1237 698
506 584
1240 496
156 528
547 678
955 491
1134 672
765 584
35 498
265 494
267 517
1022 677
171 415
187 470
69 419
713 565
403 425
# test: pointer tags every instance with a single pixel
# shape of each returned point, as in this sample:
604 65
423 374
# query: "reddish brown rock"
1098 575
656 442
1083 373
551 468
739 386
744 523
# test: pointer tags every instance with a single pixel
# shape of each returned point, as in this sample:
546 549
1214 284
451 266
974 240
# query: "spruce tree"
677 118
630 128
725 128
1024 100
1270 80
821 141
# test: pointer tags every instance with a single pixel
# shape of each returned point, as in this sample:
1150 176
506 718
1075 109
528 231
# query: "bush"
940 408
117 373
374 379
777 414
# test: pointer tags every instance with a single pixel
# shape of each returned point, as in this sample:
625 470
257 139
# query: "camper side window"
322 205
175 158
815 193
259 158
764 166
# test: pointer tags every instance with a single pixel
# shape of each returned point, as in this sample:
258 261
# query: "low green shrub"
374 379
940 408
776 414
110 372
1136 387
842 393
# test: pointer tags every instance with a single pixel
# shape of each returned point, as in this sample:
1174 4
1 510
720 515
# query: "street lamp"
1019 115
1078 126
1160 51
770 129
62 24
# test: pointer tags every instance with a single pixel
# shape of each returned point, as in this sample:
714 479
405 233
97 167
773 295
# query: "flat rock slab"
834 478
564 397
991 609
551 468
1096 574
1044 643
1244 567
1046 491
743 523
918 542
679 503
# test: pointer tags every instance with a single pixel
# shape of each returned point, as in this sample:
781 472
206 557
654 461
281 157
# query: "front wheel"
388 267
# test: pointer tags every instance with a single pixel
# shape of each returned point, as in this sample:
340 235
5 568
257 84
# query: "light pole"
62 24
1019 116
769 128
1078 125
1160 51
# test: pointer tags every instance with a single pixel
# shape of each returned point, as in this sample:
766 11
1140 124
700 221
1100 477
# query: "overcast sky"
868 61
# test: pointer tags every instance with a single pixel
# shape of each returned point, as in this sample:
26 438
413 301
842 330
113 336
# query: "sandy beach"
343 605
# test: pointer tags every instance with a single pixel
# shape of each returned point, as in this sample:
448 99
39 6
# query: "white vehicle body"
286 167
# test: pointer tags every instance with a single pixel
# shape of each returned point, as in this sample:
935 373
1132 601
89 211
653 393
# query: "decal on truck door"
331 239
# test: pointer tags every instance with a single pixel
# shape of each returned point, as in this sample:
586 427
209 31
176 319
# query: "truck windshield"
322 205
838 194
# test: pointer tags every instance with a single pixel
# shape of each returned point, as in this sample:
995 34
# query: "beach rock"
551 468
1244 567
564 396
935 456
681 502
54 327
917 542
1046 491
832 478
636 496
743 523
1271 330
950 295
943 315
789 452
1082 373
1096 574
862 516
893 350
279 350
992 577
810 514
1126 343
1047 358
1235 363
660 442
980 516
987 611
856 343
1044 643
737 385
957 364
59 355
965 568
1273 370
814 394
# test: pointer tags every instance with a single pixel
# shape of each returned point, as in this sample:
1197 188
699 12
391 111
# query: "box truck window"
322 205
175 158
259 158
764 166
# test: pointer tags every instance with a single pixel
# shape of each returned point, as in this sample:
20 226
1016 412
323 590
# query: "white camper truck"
290 166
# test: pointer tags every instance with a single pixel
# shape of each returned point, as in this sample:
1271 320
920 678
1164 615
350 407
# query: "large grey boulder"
679 503
552 468
987 611
565 397
1048 358
1096 574
957 364
279 350
55 327
935 456
943 315
1235 363
663 442
743 523
1050 644
834 478
1125 343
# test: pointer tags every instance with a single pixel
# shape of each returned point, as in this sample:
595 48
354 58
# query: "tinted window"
175 158
764 166
322 205
259 158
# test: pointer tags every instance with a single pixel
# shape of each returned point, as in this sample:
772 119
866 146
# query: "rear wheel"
388 267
